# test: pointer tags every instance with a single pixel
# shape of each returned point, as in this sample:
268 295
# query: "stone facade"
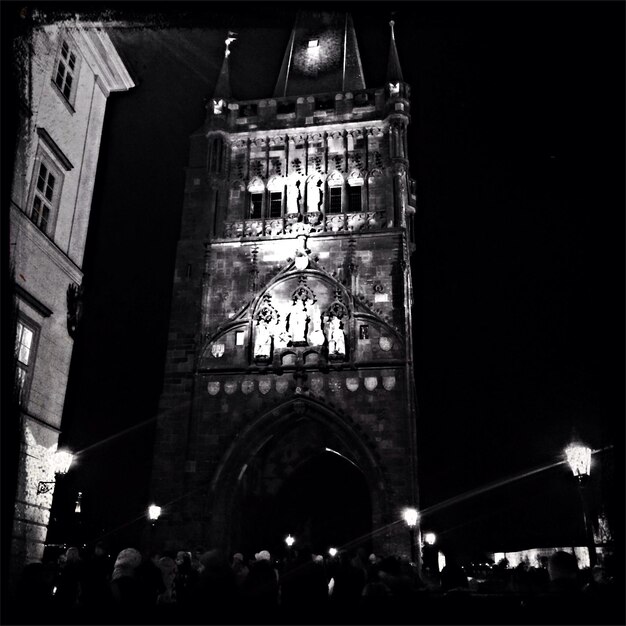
68 72
290 330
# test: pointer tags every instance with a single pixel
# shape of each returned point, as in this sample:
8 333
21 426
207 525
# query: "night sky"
517 146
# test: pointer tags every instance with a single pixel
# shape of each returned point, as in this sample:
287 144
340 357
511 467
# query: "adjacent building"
290 340
68 70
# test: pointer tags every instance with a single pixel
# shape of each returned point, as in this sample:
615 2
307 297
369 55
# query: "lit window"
24 352
276 203
240 336
45 195
354 198
335 200
256 202
314 43
66 70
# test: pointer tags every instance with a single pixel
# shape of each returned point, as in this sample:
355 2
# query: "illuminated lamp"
61 461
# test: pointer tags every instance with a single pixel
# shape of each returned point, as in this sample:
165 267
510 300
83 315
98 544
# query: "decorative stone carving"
352 384
389 382
230 387
213 387
265 384
281 386
262 342
336 338
217 350
247 386
370 382
294 196
385 343
298 320
316 384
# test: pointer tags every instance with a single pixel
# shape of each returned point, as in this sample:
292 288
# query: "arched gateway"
289 397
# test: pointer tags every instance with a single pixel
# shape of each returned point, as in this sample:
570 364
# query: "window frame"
29 367
335 191
44 159
251 205
272 202
353 190
59 59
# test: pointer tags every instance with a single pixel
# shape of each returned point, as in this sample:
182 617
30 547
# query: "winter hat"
128 558
264 555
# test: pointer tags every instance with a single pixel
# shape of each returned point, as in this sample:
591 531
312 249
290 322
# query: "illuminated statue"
315 196
294 197
281 336
335 337
263 341
316 334
298 319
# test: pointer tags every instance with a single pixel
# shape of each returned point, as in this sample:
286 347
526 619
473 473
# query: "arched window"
216 154
355 192
335 191
256 190
275 187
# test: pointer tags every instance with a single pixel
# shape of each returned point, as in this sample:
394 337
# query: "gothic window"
354 198
276 203
25 340
256 204
216 155
46 190
66 71
334 205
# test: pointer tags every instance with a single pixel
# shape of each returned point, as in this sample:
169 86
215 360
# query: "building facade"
68 70
290 354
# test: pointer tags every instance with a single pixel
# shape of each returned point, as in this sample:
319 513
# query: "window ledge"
66 102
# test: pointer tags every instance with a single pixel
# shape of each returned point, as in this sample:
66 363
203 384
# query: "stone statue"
298 319
315 196
316 334
263 341
335 337
294 197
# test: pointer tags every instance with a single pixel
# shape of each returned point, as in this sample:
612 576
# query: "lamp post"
429 551
579 459
332 552
154 512
410 516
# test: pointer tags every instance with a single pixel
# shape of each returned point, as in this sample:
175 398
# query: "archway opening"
325 503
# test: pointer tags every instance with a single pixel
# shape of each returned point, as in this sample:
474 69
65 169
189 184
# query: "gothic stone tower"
289 365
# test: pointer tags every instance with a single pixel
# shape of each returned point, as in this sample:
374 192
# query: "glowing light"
154 512
289 540
314 43
61 461
410 516
332 551
430 538
579 459
77 508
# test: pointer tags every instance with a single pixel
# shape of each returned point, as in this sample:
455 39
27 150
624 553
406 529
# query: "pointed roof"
222 88
322 55
394 71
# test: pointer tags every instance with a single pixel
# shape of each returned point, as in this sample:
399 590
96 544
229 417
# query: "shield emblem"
385 343
281 386
317 384
230 387
352 383
213 387
334 385
370 382
265 385
217 350
389 382
247 386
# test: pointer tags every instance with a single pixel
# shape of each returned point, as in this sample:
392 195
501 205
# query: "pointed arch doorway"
325 503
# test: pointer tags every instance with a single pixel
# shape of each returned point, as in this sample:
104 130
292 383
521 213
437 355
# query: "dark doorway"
325 503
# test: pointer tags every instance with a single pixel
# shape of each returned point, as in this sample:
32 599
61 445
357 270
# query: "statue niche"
303 301
266 319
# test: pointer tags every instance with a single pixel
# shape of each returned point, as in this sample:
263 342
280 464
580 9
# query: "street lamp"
430 538
154 512
429 552
61 461
579 459
289 540
410 516
332 552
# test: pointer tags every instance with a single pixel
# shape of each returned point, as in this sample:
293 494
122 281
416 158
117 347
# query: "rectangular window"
256 202
66 69
354 198
276 203
45 196
334 206
24 353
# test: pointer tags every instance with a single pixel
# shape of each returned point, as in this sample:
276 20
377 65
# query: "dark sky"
517 145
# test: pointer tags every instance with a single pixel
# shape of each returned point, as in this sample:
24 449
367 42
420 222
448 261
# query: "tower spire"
222 88
394 71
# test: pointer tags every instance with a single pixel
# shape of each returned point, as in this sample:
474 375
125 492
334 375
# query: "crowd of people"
206 587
